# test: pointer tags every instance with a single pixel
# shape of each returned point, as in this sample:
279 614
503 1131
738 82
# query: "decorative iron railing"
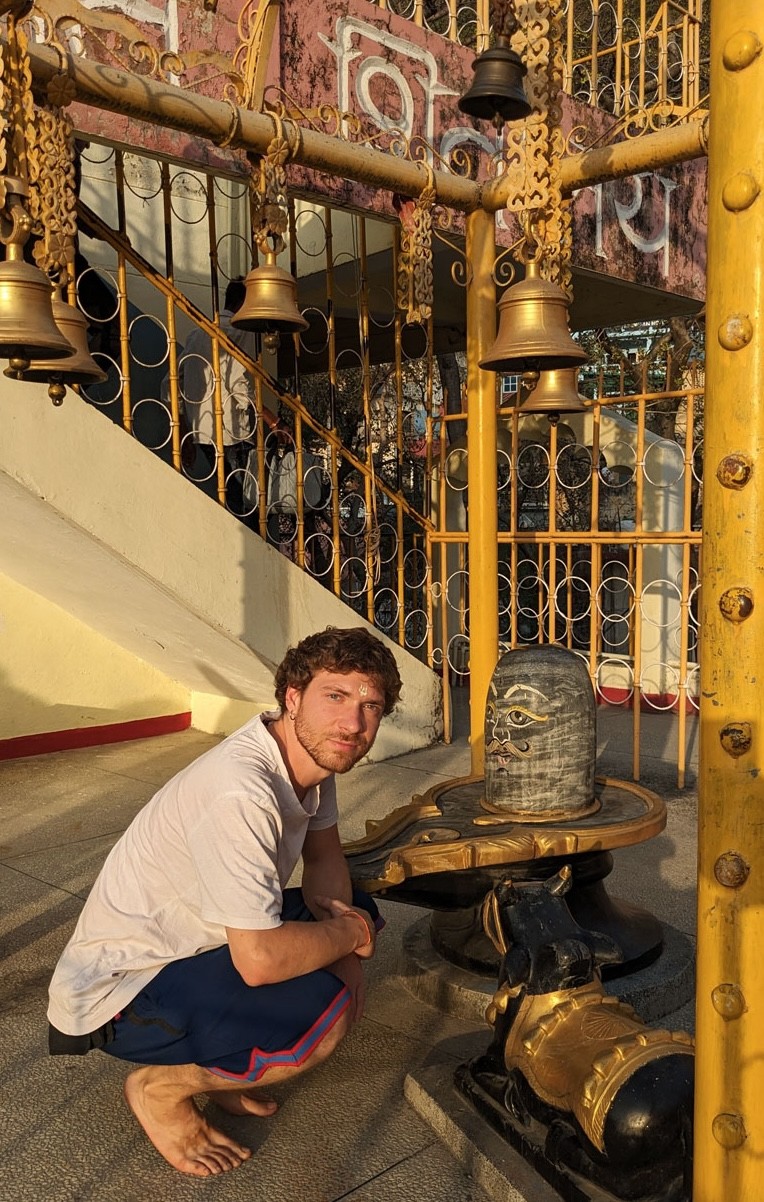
347 450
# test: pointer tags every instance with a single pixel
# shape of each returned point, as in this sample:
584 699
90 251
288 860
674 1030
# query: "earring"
291 716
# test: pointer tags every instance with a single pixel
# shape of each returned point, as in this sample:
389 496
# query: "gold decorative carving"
415 257
395 850
534 148
577 1047
113 38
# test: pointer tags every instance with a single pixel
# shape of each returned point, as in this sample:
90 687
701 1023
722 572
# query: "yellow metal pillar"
482 519
729 1109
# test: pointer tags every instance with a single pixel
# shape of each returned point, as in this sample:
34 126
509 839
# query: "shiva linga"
539 807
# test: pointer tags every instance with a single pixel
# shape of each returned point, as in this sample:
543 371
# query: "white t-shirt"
214 848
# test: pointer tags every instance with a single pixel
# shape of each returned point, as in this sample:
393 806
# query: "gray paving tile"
69 1137
46 809
36 920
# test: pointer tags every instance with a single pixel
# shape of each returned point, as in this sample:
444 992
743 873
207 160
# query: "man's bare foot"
243 1101
176 1128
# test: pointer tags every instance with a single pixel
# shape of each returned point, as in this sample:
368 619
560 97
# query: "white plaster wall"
57 674
97 524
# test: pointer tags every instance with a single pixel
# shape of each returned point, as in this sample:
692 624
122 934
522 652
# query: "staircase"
152 580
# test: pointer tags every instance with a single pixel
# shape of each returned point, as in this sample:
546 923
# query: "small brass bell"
80 368
497 89
554 392
533 328
27 328
270 303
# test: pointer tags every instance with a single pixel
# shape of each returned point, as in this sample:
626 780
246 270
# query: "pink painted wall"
352 55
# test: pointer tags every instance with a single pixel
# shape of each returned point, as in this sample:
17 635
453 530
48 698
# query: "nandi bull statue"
600 1103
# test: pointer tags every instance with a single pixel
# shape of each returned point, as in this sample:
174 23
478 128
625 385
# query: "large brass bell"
554 392
497 89
27 328
270 303
533 328
80 368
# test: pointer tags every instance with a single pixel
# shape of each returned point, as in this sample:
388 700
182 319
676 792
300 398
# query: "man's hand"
350 972
334 908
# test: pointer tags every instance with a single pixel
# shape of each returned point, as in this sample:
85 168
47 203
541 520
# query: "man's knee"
330 1041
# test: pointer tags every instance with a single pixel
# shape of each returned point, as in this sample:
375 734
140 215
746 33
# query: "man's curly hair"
336 650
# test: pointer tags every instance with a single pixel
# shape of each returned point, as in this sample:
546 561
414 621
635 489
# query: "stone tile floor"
344 1132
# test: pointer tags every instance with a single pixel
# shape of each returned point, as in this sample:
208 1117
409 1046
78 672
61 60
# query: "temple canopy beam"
223 123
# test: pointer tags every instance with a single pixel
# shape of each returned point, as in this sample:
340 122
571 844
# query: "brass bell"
533 328
554 392
497 89
270 303
27 328
81 367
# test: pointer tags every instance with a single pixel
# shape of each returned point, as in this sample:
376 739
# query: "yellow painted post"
729 1115
483 516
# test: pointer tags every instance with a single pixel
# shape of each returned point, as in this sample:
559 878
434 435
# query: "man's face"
337 716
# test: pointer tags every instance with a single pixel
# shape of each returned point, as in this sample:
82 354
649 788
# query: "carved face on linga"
540 733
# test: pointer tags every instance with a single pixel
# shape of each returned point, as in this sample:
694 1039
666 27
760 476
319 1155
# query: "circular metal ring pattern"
186 188
315 339
659 685
245 484
620 467
458 654
381 301
386 609
310 232
230 188
456 469
152 423
205 367
105 392
572 584
233 248
532 595
414 341
354 577
673 466
573 466
189 460
319 550
416 569
144 335
416 627
101 275
620 679
667 596
533 468
352 515
137 175
346 269
457 589
616 630
693 686
388 542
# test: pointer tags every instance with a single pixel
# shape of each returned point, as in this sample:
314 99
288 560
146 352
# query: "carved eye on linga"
519 717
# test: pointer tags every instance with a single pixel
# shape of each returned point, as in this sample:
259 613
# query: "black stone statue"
599 1103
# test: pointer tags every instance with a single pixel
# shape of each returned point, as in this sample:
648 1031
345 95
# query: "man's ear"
292 698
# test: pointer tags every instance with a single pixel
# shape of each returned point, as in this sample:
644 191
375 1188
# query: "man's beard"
332 759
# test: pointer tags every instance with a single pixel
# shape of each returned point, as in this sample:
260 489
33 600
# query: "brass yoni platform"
448 830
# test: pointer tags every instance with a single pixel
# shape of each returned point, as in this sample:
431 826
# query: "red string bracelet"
355 914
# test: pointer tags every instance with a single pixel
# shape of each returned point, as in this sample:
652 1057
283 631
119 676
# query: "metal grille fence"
346 447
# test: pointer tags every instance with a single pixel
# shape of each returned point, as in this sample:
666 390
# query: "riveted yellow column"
729 1110
483 515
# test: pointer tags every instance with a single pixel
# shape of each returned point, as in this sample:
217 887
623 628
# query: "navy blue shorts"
200 1011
